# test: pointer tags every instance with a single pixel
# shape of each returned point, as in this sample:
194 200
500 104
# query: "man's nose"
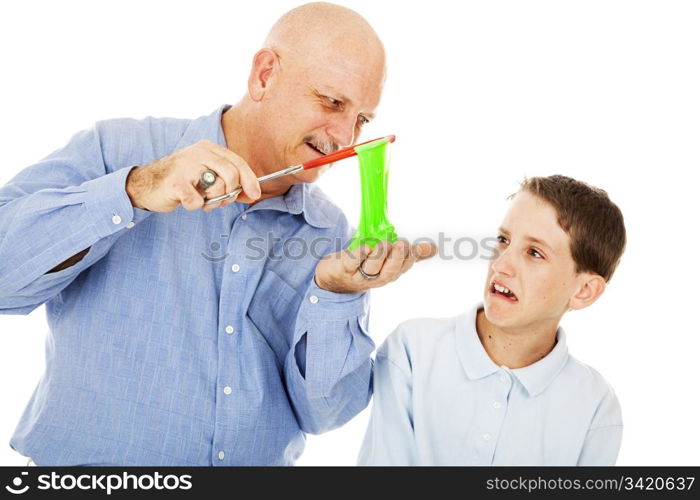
342 130
503 263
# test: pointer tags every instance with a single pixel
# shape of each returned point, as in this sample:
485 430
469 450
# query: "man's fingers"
247 178
226 203
399 253
190 198
407 264
375 260
388 262
424 250
215 190
391 261
351 259
225 171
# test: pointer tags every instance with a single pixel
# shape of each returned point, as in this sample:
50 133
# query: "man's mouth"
319 149
499 290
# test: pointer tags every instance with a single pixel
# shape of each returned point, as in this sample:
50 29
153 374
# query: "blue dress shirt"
182 338
439 399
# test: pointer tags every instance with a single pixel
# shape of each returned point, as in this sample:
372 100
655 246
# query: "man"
496 385
177 337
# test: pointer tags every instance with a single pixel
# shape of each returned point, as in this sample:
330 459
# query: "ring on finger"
366 275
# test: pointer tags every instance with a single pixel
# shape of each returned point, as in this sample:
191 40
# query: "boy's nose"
503 263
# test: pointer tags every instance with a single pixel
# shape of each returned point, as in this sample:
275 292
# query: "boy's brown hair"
593 222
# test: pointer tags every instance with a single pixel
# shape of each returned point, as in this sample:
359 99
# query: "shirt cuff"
109 205
331 306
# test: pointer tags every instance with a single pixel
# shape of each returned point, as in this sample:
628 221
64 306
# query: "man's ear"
591 286
264 65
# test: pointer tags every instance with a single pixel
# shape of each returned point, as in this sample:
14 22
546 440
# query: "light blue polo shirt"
439 399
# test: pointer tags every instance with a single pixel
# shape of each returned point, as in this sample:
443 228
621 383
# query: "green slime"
374 224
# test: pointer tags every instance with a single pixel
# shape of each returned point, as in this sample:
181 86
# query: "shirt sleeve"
604 437
54 209
328 368
389 439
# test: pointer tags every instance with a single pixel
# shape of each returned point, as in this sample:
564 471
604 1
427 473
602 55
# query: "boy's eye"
535 253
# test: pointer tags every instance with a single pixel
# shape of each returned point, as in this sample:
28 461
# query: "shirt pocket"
273 311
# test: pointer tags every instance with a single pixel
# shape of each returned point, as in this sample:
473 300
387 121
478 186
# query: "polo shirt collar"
477 364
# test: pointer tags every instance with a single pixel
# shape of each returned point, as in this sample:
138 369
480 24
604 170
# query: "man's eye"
535 253
362 120
334 102
502 239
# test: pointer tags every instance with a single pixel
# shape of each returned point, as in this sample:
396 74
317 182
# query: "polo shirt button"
313 299
235 268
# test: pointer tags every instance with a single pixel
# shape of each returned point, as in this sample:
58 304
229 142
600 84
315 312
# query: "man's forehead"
346 62
357 79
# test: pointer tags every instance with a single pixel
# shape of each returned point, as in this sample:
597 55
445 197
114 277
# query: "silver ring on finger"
366 275
207 179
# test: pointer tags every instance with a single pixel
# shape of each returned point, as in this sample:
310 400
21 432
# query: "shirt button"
496 405
244 216
503 378
130 225
313 299
487 437
229 329
235 268
227 390
221 455
116 219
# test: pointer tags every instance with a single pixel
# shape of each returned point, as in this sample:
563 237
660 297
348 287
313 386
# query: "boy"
496 386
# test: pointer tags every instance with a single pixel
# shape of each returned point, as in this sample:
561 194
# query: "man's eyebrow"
343 98
330 92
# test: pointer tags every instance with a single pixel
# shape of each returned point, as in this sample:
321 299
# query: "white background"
479 95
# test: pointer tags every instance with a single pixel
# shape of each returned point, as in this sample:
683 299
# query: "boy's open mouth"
502 291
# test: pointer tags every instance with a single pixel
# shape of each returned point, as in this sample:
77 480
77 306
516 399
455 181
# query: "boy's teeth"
501 289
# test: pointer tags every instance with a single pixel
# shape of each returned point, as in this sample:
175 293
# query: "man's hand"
174 179
340 272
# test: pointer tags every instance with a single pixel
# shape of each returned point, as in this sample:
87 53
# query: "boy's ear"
591 286
264 64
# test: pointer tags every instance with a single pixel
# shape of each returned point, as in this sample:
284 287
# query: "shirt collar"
205 127
477 363
303 199
307 200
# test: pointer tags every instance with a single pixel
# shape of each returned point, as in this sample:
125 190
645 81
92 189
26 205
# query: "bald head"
327 33
313 86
